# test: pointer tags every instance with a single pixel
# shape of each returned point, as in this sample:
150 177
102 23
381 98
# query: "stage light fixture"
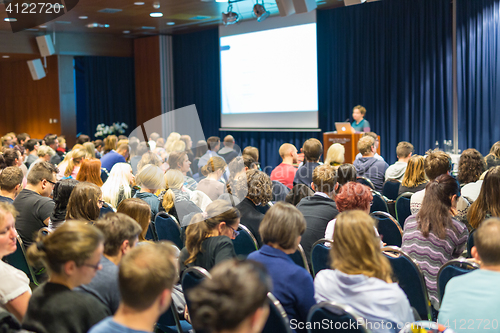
260 12
230 17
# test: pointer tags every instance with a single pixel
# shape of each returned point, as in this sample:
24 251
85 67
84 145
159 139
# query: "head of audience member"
51 141
124 150
174 179
220 219
90 171
62 144
486 247
213 143
260 188
118 185
237 167
201 148
10 157
7 141
31 145
312 149
62 192
470 166
150 179
140 211
42 178
250 162
82 138
356 247
110 143
22 138
324 180
148 158
243 308
252 151
90 148
99 145
335 155
495 150
8 233
488 200
45 153
366 146
179 161
11 180
346 173
237 182
354 196
189 143
133 148
154 136
438 206
76 157
282 227
142 149
71 253
146 277
415 172
288 153
215 168
176 146
84 202
375 137
297 193
404 150
229 141
358 113
172 137
436 163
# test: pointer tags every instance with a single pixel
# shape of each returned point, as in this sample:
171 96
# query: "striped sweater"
431 253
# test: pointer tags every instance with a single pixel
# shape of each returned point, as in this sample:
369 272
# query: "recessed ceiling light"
106 25
148 28
156 14
138 3
10 19
43 26
126 31
170 23
5 56
83 17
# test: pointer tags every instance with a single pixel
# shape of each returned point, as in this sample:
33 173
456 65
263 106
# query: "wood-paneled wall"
27 105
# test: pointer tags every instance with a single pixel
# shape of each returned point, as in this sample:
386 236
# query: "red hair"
90 171
353 196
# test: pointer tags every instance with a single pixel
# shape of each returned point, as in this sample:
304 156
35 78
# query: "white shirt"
13 283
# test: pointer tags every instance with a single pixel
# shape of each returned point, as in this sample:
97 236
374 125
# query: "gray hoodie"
373 169
396 171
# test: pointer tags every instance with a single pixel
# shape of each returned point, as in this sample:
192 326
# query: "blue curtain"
105 92
394 57
478 73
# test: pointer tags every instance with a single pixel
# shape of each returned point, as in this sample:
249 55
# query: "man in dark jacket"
368 166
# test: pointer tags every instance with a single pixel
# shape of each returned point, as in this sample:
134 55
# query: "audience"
31 147
236 187
361 276
312 150
213 144
477 290
53 142
61 193
470 166
150 179
118 186
414 179
377 143
252 151
72 255
487 203
345 173
285 171
148 158
112 157
493 158
178 202
281 230
228 153
15 290
213 171
298 192
109 144
368 166
335 155
433 236
138 210
44 154
84 203
70 167
90 171
201 149
142 149
11 179
180 161
397 170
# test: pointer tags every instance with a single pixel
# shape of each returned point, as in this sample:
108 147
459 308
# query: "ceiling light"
260 12
156 14
5 56
139 3
126 31
83 17
170 23
10 19
43 26
156 5
230 17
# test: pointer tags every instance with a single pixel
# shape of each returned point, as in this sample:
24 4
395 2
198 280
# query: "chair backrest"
470 243
169 321
320 255
279 191
106 208
411 279
389 229
425 326
452 268
192 277
245 243
341 317
168 229
299 257
151 232
379 203
278 321
403 208
365 181
18 260
391 189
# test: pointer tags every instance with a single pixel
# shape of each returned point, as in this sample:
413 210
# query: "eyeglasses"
235 232
101 202
95 267
50 181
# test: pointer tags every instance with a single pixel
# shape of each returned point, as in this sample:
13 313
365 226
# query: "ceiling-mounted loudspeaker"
45 45
285 7
36 69
304 6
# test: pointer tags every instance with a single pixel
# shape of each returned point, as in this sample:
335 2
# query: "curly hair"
259 187
470 166
353 196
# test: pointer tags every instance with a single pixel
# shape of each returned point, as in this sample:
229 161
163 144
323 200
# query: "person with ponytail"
433 236
72 167
208 237
213 171
234 300
72 256
175 201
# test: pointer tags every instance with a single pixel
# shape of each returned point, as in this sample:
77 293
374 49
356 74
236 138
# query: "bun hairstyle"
236 290
73 241
202 225
214 164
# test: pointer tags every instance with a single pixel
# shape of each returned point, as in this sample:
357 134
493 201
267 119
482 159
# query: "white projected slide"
270 71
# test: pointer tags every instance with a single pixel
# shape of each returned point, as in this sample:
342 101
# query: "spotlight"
260 12
230 17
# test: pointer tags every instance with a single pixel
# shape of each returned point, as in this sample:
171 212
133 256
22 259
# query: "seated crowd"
90 221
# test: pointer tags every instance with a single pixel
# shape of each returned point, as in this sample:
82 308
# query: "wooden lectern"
349 141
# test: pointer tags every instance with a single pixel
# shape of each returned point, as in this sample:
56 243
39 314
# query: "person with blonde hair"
44 154
361 275
414 179
150 179
368 166
213 172
335 155
72 256
493 158
148 158
90 148
179 160
285 171
174 200
109 144
70 167
119 184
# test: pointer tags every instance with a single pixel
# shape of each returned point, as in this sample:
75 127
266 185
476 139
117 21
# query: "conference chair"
389 229
320 255
299 257
365 181
245 243
192 277
338 317
168 229
169 322
403 208
151 232
106 208
279 191
19 261
379 203
470 243
411 279
278 321
391 189
452 268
